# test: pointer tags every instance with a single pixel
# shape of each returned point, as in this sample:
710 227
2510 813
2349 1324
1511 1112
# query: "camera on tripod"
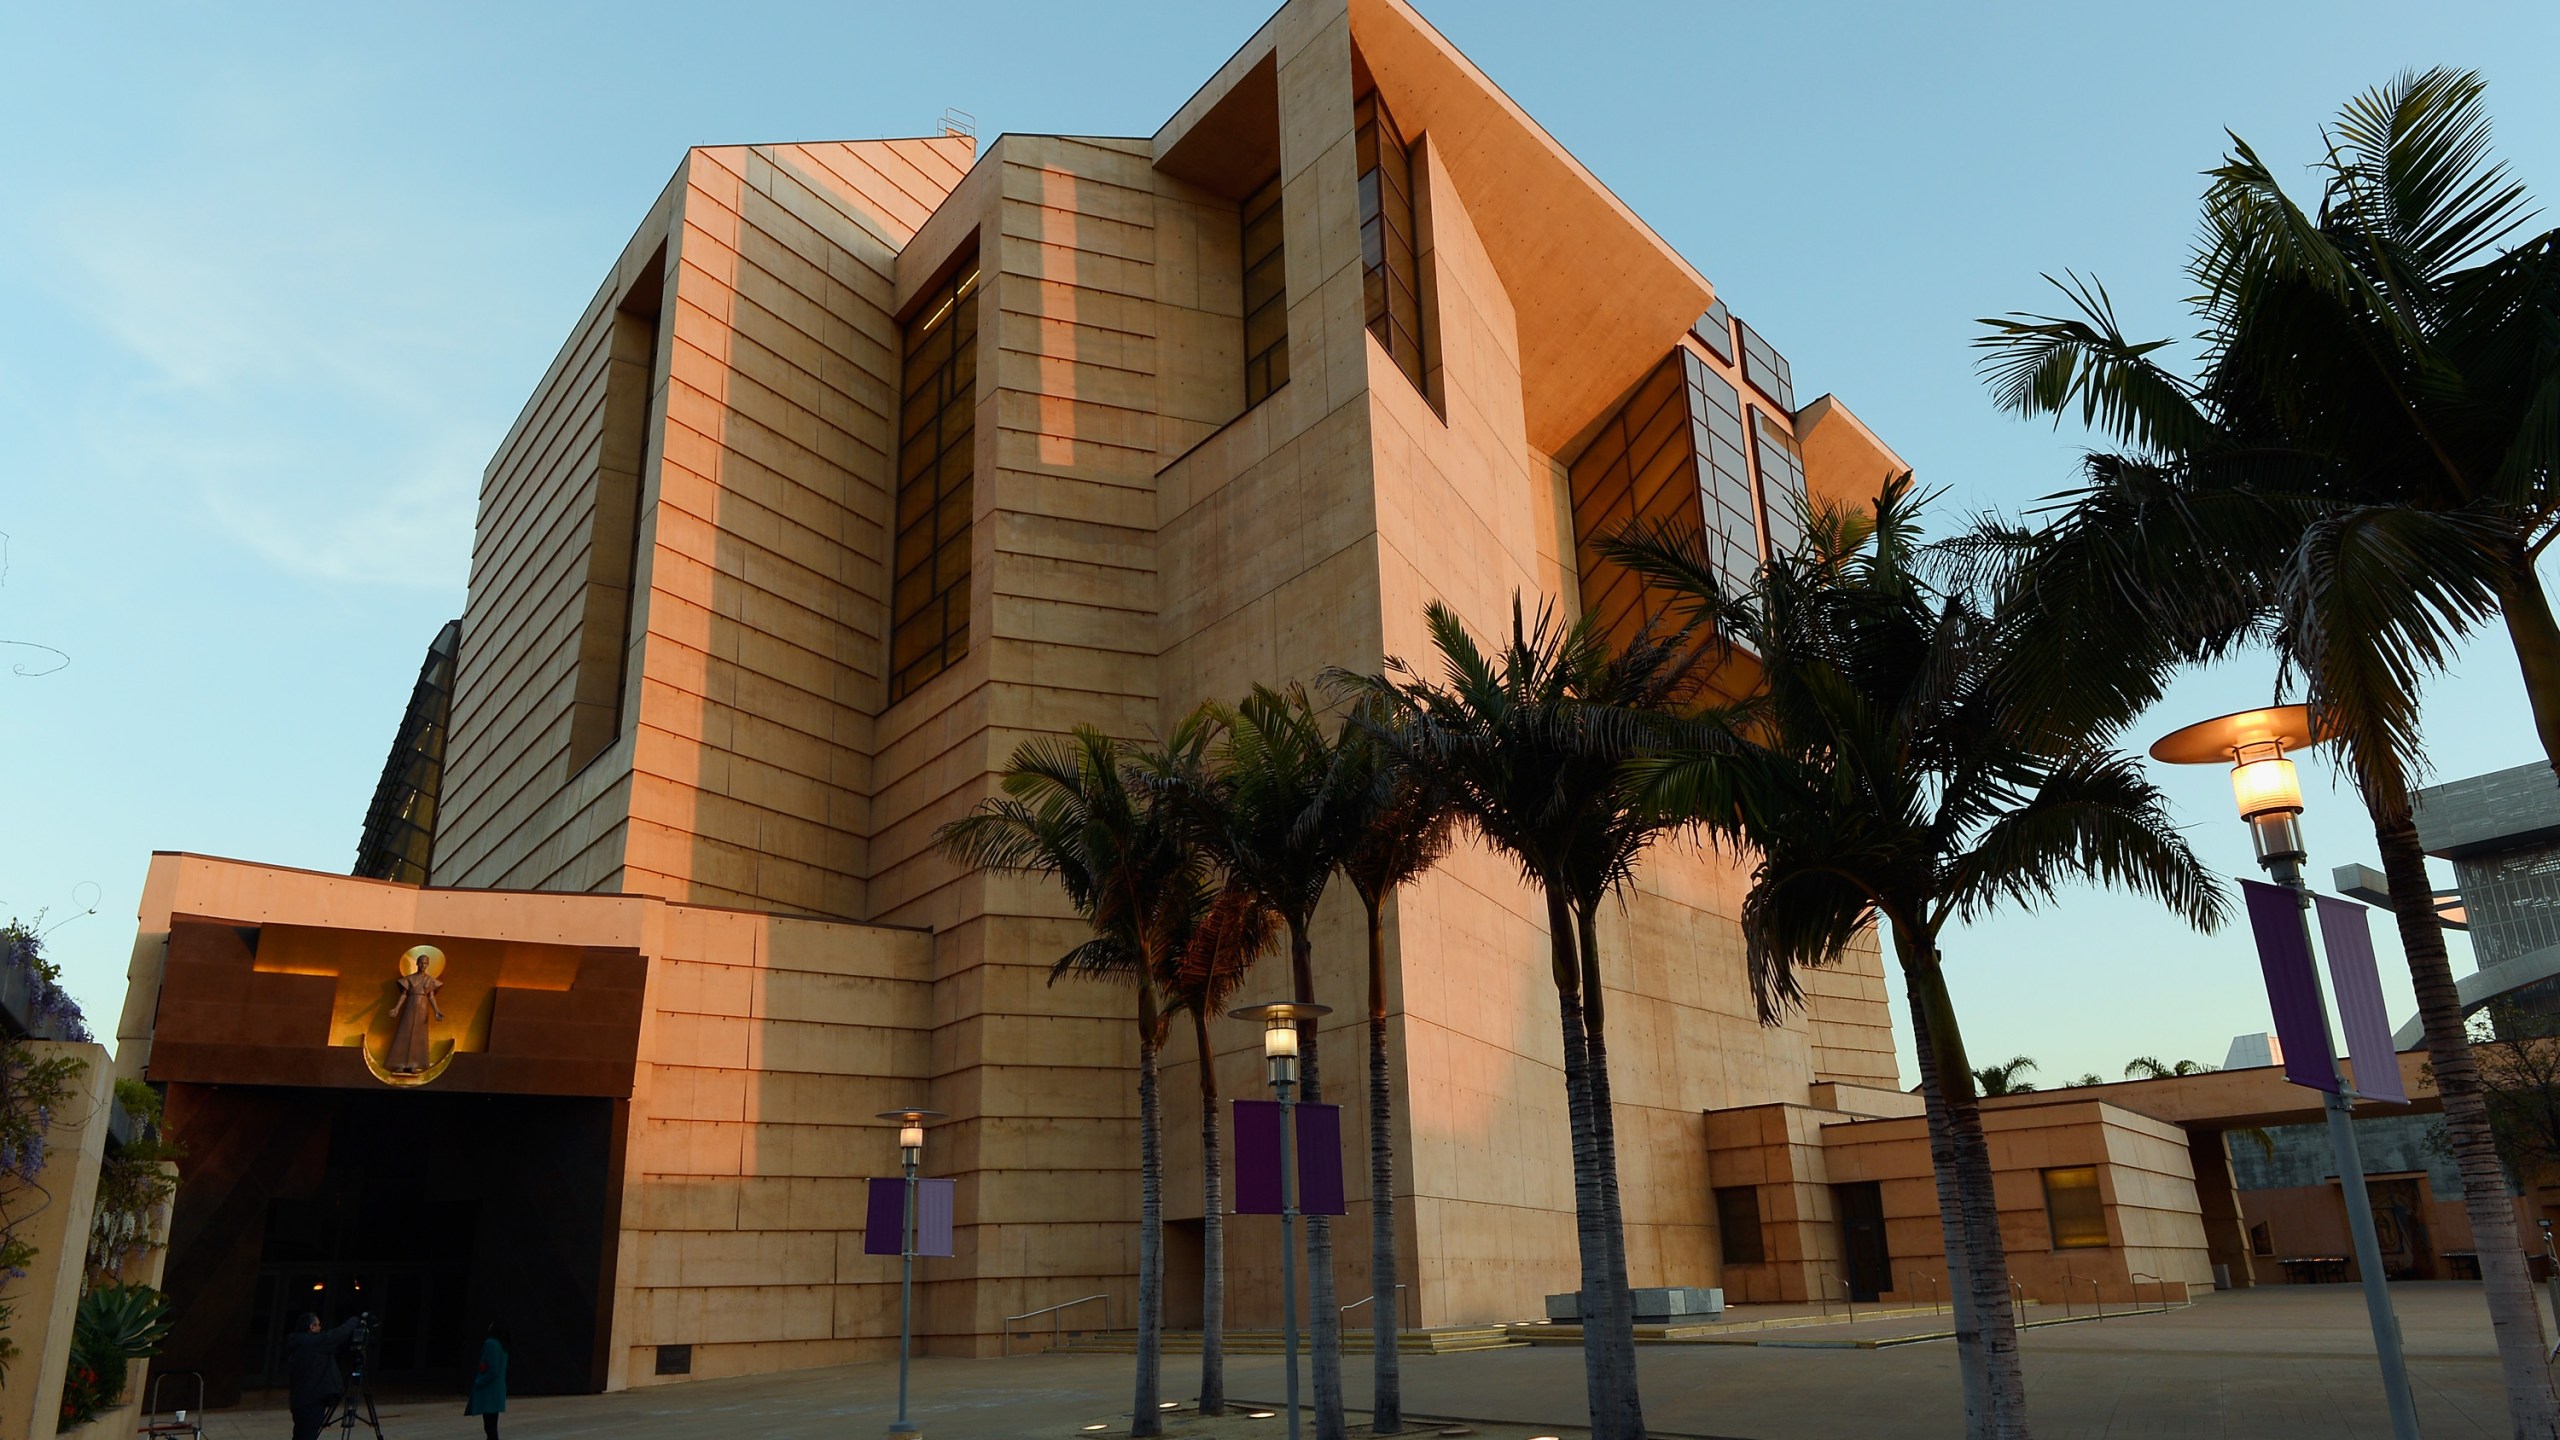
355 1403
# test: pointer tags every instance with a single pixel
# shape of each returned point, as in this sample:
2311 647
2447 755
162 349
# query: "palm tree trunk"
1968 1328
1213 1231
2536 637
1386 1406
2513 1316
1968 1154
1147 1419
1601 1375
1325 1324
1626 1403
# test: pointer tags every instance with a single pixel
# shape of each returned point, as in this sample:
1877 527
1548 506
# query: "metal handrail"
1363 1300
1057 1329
2136 1277
2098 1295
1824 1296
1916 1277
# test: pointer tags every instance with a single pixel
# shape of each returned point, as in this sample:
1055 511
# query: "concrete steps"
1448 1341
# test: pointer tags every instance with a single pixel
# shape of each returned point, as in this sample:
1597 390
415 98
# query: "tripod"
359 1391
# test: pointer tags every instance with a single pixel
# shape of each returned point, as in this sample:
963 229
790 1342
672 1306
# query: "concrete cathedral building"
869 460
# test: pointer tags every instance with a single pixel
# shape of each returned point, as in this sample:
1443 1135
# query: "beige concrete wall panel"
1077 337
1067 478
1062 298
1116 554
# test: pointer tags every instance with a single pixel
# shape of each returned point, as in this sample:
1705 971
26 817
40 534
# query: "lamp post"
2269 797
910 1150
1279 1022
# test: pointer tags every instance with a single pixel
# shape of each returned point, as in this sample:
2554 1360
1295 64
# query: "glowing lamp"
911 1137
2264 782
1279 1021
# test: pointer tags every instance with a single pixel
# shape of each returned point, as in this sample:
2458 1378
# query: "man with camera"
311 1370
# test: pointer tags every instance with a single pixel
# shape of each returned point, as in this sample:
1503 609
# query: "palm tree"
1268 813
1070 810
2369 466
1881 770
1399 822
2149 1067
2006 1078
1533 753
1233 931
1631 693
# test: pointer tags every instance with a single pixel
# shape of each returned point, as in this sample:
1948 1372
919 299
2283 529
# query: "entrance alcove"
435 1212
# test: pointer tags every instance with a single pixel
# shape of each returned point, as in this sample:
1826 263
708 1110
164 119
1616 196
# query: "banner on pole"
888 1212
2346 933
1319 1159
2293 987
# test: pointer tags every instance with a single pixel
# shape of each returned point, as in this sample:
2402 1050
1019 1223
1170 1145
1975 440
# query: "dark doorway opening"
437 1213
1870 1264
1185 1243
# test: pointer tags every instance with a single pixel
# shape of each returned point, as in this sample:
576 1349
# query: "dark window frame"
1263 252
1390 239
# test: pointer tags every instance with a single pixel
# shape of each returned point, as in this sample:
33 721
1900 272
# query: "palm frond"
2048 364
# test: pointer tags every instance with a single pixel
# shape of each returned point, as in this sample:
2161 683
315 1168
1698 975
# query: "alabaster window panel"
1266 295
937 443
1782 497
1642 464
1674 453
2072 1206
1391 274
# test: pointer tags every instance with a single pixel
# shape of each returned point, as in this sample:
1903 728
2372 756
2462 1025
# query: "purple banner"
1319 1159
2346 933
1257 1157
888 1212
2293 987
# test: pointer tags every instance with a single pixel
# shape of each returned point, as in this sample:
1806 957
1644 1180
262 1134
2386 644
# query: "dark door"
1862 1235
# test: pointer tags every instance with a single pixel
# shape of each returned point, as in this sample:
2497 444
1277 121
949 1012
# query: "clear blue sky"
275 279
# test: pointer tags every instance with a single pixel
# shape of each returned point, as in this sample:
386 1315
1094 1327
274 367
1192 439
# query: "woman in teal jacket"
489 1385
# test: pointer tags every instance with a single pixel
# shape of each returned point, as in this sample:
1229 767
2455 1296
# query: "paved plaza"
2266 1364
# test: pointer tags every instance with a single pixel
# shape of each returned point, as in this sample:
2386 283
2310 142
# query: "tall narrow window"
623 462
937 434
1266 295
1390 270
